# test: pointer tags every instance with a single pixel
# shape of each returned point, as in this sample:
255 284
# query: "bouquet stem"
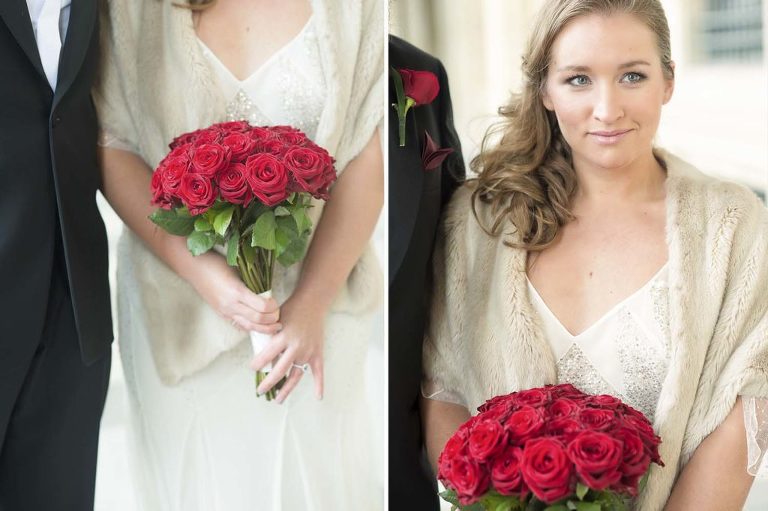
257 276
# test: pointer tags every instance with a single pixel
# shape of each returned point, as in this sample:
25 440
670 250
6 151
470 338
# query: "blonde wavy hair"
527 177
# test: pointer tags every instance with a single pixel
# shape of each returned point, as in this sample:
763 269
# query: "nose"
607 107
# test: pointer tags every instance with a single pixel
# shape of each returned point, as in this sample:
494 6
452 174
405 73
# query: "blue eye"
633 77
578 80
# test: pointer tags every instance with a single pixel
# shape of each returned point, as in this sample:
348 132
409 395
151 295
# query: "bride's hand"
220 286
300 342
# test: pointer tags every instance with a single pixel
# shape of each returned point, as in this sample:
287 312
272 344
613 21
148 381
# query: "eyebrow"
625 65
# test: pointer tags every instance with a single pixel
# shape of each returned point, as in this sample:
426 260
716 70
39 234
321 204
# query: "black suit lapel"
406 180
82 18
15 14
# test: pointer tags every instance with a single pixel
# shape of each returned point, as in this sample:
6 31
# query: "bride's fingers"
293 380
258 303
268 354
281 369
317 374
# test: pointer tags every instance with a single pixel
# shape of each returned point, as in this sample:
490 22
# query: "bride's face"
606 87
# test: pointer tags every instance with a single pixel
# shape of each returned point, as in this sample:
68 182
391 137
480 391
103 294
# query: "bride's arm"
716 477
126 186
342 233
441 420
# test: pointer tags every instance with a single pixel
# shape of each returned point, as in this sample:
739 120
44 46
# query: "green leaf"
643 481
295 251
200 242
175 221
581 490
571 505
264 231
222 220
202 224
556 507
302 220
288 224
252 212
450 497
587 506
282 241
232 247
281 211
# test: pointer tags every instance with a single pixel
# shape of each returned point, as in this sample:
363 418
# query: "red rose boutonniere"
413 88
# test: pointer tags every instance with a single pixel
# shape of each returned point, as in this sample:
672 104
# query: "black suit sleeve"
454 172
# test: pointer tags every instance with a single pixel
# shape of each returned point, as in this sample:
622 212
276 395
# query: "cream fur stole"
157 84
485 339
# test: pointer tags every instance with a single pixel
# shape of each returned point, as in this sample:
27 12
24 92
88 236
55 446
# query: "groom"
55 326
417 192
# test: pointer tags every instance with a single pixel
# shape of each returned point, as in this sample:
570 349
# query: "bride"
583 254
201 438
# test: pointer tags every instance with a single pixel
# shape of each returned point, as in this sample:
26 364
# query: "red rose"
293 138
531 397
197 193
307 169
469 480
454 448
647 435
506 476
233 186
635 459
500 411
261 133
267 177
597 457
232 126
494 401
209 159
421 86
208 136
158 194
171 172
273 146
597 419
239 144
563 408
565 429
486 438
524 424
604 401
566 390
184 139
546 469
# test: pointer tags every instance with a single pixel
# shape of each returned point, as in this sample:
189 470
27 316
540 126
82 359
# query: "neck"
640 181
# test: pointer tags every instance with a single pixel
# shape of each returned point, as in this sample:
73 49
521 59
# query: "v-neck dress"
208 443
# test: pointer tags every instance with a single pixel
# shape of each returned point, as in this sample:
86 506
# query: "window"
731 30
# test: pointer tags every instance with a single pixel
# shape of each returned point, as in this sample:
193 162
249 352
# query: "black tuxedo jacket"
416 197
48 181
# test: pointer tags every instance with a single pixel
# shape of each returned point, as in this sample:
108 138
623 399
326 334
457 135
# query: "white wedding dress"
208 443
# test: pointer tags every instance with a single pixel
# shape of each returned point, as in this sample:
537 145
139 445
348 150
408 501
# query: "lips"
609 137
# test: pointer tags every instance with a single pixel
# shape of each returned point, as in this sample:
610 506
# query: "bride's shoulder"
704 194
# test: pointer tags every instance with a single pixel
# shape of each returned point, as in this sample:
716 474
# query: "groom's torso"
416 196
49 176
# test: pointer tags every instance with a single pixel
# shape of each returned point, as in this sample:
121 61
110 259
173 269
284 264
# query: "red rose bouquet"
246 189
552 448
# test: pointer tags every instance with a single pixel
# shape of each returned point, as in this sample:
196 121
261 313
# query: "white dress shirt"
50 20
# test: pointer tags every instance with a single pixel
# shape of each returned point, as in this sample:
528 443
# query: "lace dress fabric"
626 354
208 443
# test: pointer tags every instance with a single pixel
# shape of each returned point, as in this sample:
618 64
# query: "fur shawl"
484 338
156 84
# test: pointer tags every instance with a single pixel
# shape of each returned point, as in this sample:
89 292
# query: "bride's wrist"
309 303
